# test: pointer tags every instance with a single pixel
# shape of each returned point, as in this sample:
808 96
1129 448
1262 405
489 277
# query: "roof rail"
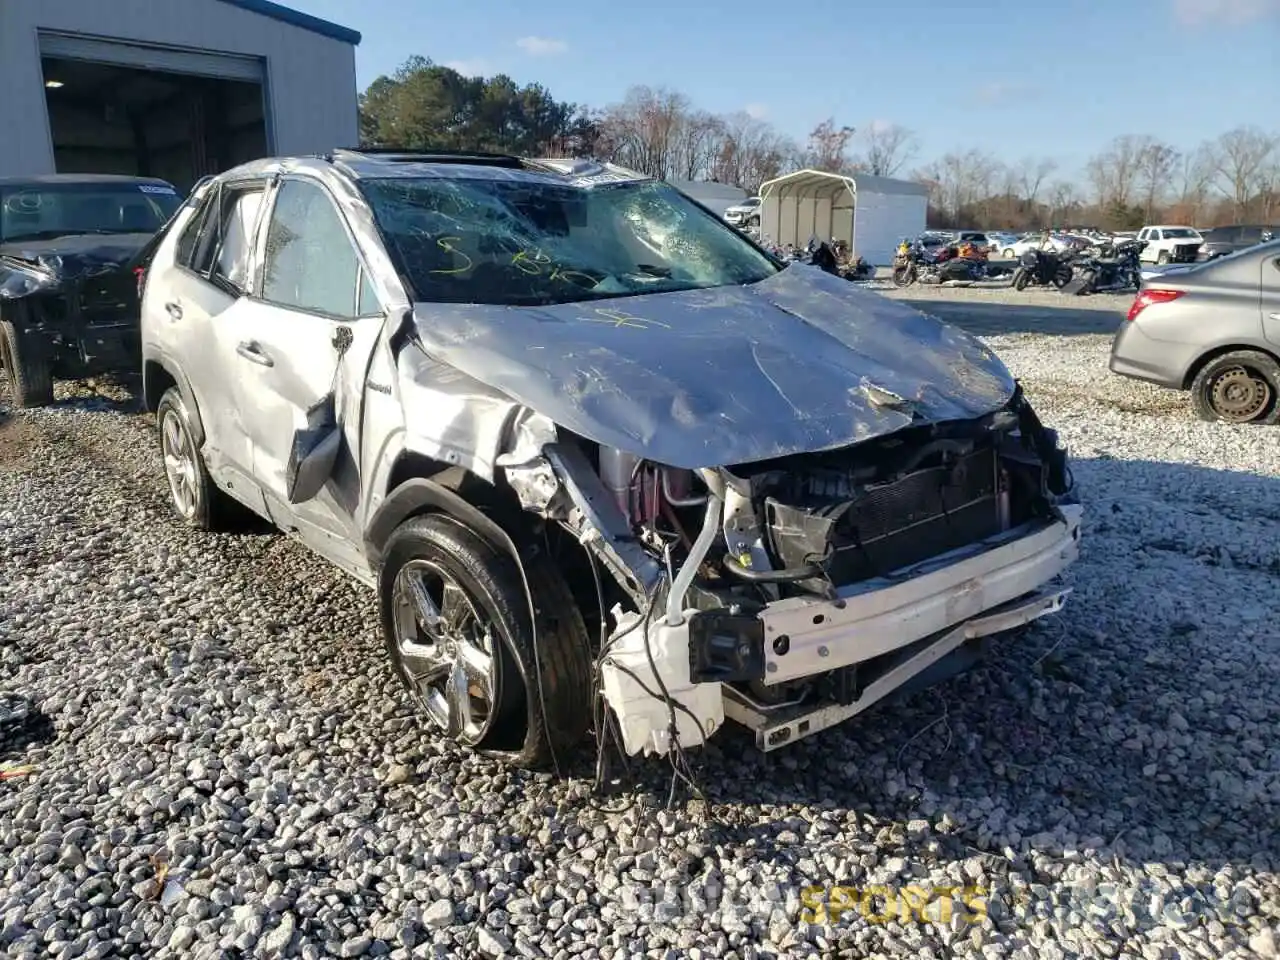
403 155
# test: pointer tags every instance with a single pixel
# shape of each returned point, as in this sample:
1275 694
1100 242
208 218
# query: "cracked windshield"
527 243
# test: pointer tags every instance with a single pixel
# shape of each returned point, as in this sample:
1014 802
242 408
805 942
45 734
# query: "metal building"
174 89
871 214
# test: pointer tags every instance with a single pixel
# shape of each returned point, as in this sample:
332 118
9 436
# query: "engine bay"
829 520
768 571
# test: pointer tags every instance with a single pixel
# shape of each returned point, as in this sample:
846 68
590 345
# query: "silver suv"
594 448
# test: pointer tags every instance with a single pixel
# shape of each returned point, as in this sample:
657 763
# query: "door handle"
253 353
175 310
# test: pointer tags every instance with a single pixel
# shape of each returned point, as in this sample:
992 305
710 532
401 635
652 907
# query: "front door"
307 335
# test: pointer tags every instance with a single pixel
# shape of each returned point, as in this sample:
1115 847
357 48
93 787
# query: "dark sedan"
1220 241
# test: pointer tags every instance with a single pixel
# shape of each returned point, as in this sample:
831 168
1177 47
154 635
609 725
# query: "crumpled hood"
800 362
38 266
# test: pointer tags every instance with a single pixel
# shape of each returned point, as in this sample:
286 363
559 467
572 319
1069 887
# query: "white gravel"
219 708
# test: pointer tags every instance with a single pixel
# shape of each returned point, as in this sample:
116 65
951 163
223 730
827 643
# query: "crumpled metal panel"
799 362
51 266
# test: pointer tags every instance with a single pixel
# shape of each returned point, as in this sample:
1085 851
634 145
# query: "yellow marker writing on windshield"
447 244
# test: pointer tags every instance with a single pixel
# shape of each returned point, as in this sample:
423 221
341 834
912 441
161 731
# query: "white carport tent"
869 213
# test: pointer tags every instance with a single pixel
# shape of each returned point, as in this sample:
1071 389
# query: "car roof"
55 178
460 165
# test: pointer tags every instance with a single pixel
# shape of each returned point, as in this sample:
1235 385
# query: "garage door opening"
106 118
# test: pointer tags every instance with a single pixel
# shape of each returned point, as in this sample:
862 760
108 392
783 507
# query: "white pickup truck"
1170 244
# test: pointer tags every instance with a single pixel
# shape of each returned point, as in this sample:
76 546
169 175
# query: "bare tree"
888 148
1113 173
1195 173
750 152
1032 173
642 132
1064 199
697 141
1269 191
660 132
1156 163
829 147
965 178
1242 156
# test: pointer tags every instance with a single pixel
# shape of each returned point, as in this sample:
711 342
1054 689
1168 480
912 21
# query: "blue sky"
1015 77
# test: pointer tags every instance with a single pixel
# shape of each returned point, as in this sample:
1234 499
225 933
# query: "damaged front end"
74 307
791 594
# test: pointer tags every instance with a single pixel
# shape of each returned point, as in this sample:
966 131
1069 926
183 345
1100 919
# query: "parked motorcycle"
1041 268
916 263
1113 268
858 269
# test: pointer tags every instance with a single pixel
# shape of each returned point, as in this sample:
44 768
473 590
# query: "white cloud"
541 46
878 126
472 68
997 91
1217 12
757 111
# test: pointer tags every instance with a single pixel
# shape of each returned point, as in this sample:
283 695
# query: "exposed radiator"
885 527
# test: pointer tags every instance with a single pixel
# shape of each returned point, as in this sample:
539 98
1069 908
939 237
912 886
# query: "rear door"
312 296
1271 297
202 300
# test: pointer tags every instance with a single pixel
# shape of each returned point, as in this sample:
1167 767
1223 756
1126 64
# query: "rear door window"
189 239
222 251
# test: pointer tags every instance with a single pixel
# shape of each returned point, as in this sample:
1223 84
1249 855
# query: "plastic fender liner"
419 495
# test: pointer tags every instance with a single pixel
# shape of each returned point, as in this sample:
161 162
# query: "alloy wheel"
448 650
179 464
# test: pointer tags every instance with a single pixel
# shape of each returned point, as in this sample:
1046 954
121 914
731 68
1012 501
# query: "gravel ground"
224 766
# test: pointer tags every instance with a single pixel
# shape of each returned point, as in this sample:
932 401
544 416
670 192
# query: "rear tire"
26 366
489 703
1063 276
1238 387
195 498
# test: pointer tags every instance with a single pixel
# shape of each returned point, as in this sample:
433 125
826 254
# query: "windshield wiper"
58 234
38 235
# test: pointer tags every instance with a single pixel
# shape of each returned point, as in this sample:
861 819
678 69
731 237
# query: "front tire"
26 366
1021 278
194 496
903 276
1238 387
1008 254
455 620
1162 257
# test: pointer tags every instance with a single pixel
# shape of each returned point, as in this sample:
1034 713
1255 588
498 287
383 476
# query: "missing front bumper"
805 637
779 726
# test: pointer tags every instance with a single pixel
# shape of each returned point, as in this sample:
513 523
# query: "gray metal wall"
311 79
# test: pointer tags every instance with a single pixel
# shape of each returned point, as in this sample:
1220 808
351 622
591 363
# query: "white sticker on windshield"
157 188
